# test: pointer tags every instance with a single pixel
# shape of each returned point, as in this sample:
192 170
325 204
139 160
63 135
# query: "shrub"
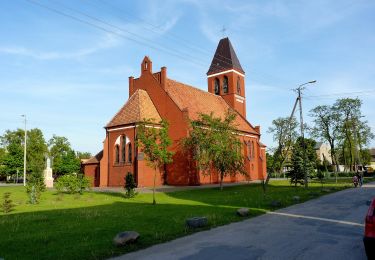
7 205
72 183
130 185
34 187
84 183
346 174
320 176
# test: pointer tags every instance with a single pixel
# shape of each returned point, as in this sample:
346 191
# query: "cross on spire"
223 31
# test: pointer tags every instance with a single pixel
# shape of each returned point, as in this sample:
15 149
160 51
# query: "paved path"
330 227
2 184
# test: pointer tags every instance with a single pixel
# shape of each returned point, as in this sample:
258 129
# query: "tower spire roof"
225 58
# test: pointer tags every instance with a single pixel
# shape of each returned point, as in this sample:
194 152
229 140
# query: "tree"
215 145
364 137
297 173
349 111
84 155
35 186
327 128
355 132
284 130
130 185
65 160
36 151
270 163
7 204
67 163
12 160
366 156
58 145
2 166
154 141
320 176
12 142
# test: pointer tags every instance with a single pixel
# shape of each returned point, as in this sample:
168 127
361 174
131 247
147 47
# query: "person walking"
360 178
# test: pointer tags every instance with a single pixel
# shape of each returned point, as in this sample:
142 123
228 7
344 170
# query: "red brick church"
155 96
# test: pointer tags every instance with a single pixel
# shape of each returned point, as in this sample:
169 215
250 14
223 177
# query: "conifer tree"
7 204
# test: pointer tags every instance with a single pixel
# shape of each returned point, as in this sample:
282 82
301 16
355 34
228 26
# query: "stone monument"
48 179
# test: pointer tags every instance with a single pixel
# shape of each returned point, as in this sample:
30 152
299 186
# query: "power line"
170 51
152 28
109 31
340 94
174 53
183 41
176 38
122 29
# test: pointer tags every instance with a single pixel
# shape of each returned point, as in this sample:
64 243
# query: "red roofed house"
154 95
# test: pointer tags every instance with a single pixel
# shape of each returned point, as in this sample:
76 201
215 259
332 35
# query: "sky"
65 64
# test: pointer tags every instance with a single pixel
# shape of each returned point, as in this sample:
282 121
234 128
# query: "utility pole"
290 130
299 90
24 154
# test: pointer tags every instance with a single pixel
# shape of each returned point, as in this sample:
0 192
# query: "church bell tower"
226 77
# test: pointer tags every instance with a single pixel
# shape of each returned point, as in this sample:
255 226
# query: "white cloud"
301 18
108 42
158 19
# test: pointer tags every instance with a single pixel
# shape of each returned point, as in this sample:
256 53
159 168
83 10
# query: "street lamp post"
24 154
299 89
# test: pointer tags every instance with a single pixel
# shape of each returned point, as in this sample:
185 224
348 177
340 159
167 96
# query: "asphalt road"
330 227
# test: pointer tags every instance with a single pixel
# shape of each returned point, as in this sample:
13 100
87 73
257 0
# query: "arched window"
225 85
217 86
123 149
248 150
238 86
146 65
117 154
130 152
252 149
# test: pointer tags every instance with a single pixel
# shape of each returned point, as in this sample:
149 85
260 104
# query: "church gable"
137 108
94 159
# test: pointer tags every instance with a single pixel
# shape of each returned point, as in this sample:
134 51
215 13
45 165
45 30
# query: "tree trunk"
221 181
153 190
265 183
334 158
350 149
344 156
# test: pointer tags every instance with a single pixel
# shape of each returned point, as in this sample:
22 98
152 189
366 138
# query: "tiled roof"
138 107
94 159
225 58
198 101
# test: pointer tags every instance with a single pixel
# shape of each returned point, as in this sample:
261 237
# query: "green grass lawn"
82 227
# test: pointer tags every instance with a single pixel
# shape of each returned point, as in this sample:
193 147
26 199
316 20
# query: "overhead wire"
333 95
184 42
121 29
152 27
109 30
170 51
